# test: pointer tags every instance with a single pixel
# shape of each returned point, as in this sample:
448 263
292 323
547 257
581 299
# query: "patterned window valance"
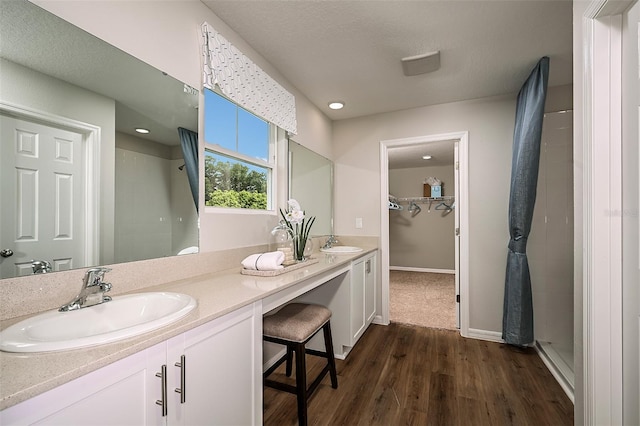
244 82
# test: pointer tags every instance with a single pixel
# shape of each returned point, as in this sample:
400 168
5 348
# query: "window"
238 156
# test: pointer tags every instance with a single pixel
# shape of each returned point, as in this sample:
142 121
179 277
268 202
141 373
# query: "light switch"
358 222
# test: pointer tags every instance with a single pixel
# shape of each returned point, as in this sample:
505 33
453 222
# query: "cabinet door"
370 288
223 382
113 395
157 403
357 300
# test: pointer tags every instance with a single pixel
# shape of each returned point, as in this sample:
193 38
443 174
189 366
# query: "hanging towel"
264 261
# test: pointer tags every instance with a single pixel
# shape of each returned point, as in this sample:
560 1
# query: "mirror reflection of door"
77 81
42 195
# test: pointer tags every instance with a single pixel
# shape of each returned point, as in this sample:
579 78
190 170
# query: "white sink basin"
341 249
123 317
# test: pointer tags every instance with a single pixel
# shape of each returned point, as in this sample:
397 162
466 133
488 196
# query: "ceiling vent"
421 64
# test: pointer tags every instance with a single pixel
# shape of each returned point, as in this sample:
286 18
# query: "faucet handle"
40 266
98 271
94 276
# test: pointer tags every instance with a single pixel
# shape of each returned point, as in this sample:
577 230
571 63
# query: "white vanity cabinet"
220 379
363 295
222 363
113 395
351 297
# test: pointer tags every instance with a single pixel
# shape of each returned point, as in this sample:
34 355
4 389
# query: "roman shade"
245 83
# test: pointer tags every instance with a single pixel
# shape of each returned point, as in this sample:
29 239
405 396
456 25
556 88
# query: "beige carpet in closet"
422 298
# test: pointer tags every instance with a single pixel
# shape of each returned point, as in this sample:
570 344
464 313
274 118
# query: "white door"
42 181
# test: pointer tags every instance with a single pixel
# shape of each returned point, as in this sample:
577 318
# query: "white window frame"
270 165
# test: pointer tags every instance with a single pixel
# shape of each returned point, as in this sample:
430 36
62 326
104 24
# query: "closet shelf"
425 199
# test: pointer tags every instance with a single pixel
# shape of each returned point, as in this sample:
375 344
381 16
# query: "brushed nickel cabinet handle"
183 379
163 378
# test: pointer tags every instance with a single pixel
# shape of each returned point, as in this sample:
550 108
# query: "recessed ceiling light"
336 105
142 130
426 157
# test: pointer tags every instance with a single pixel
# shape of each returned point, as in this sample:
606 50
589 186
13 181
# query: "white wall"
490 125
426 240
166 35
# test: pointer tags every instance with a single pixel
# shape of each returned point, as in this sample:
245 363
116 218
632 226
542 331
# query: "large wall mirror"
311 184
80 186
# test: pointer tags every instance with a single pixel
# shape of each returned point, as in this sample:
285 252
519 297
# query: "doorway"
458 209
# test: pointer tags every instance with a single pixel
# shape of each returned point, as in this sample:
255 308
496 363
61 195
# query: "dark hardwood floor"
402 374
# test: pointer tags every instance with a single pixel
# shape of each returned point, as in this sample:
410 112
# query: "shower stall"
550 249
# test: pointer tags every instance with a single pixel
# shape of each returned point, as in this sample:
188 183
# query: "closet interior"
422 238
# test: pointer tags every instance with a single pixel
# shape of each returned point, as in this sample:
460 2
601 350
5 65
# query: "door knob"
6 252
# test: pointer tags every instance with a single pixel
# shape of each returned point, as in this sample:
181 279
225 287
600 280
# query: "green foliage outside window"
229 183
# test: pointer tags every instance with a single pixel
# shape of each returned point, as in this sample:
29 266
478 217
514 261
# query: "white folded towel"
264 261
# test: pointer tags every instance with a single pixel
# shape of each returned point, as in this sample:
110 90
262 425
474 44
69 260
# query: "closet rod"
425 199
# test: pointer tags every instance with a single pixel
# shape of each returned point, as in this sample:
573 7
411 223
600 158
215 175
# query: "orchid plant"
298 226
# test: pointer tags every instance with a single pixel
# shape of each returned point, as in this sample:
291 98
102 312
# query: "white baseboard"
491 336
378 320
556 372
412 269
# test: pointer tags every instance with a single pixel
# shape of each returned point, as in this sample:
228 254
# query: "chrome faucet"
330 242
92 292
40 266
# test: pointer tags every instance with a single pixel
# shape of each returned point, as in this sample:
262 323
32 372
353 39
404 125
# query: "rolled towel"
264 261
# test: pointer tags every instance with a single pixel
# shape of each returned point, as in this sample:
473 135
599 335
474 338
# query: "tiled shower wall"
154 212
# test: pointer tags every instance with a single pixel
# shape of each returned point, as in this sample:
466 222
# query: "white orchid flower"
296 216
293 205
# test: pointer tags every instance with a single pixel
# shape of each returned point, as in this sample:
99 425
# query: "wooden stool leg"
301 383
328 344
289 360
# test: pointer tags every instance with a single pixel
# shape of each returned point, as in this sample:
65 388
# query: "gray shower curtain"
189 143
517 317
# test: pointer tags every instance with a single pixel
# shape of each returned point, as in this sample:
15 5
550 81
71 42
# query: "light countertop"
23 376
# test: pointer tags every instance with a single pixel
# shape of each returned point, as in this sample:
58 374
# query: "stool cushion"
295 322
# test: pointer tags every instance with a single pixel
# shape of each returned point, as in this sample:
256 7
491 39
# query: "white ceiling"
404 157
351 50
348 50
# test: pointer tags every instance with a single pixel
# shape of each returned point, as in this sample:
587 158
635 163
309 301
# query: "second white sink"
123 317
341 250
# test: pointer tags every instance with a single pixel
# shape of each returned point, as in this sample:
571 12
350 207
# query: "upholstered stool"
293 326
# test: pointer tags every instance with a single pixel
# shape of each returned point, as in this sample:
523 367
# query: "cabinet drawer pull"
183 379
163 378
